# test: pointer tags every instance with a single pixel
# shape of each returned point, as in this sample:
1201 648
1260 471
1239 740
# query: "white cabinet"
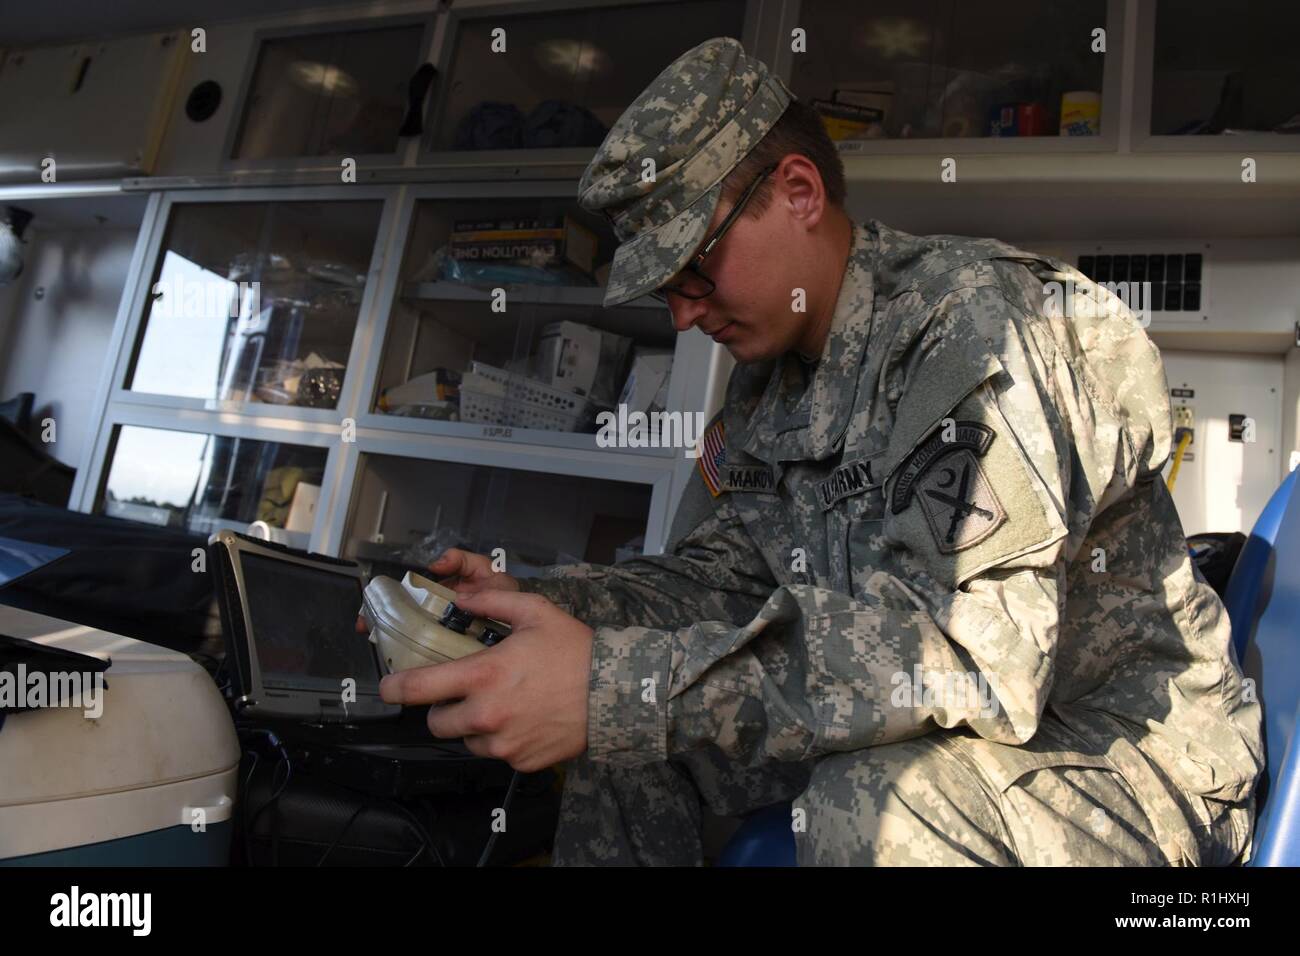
1218 76
961 76
56 103
274 345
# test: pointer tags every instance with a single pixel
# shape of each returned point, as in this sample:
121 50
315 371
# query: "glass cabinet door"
406 511
1223 69
255 302
563 77
499 323
341 93
909 69
204 483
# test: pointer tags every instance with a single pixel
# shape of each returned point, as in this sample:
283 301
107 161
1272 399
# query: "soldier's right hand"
469 573
466 573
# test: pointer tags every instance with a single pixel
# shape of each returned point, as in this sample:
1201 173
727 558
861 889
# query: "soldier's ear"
804 194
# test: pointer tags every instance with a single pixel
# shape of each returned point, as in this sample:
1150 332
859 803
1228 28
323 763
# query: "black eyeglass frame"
693 266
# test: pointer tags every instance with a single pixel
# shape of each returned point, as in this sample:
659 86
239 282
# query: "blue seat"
1263 603
764 839
1263 600
1241 597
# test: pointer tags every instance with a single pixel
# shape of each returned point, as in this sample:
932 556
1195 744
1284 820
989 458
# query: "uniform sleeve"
714 572
959 631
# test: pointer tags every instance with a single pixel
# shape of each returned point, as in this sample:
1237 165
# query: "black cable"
415 856
346 827
505 811
223 678
284 758
252 767
243 806
243 797
420 831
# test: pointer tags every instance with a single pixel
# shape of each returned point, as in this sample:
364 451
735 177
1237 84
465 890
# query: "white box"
568 356
651 368
302 510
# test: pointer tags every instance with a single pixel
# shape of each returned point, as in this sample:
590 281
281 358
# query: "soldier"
927 583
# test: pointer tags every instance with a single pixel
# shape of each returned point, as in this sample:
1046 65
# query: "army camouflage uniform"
931 587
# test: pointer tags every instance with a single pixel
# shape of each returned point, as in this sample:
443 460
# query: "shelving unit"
566 296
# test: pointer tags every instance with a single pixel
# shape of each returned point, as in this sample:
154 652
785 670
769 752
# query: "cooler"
151 781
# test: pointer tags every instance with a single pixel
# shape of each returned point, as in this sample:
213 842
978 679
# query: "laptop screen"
303 623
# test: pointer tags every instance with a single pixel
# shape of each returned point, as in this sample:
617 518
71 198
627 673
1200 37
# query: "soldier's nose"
686 312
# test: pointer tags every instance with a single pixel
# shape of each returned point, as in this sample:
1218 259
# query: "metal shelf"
563 295
505 436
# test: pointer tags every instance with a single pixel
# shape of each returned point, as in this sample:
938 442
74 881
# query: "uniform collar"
791 423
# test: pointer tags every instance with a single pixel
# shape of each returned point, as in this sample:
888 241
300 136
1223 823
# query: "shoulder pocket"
964 497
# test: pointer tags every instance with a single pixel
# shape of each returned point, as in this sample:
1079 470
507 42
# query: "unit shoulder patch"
973 501
944 440
944 473
959 502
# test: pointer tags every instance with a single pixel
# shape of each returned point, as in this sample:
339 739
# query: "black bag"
31 471
1215 555
314 822
121 576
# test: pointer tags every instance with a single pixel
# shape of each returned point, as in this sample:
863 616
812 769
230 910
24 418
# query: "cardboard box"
543 243
844 121
440 385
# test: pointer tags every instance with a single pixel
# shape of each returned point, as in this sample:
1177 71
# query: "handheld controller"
416 623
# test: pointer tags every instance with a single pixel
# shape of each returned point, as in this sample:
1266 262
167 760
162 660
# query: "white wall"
57 346
1226 484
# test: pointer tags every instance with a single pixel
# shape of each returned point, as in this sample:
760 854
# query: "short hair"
799 130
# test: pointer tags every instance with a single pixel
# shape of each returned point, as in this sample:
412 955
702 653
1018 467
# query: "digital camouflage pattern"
935 592
659 172
1113 690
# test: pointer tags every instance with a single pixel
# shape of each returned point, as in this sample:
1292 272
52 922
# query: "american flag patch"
711 458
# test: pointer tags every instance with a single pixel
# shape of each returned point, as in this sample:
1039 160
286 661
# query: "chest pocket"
768 520
866 536
854 521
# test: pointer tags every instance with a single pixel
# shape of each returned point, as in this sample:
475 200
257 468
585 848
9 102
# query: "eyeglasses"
699 285
692 268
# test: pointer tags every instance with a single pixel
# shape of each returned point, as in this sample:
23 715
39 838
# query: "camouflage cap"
696 122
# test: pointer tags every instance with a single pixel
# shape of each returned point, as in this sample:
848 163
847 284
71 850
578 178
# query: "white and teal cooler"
151 782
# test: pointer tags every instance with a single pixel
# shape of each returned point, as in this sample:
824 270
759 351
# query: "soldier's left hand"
524 700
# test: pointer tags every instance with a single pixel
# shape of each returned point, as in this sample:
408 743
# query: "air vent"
1175 277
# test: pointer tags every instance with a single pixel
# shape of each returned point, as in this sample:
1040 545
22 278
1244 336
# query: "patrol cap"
696 121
